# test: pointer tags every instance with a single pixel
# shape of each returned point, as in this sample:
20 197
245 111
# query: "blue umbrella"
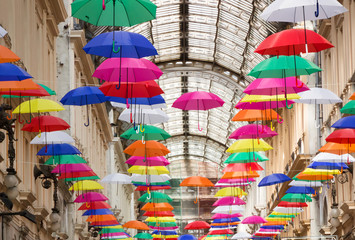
164 232
226 220
125 45
84 96
58 149
187 237
103 211
139 101
273 227
346 122
328 165
304 190
11 72
273 179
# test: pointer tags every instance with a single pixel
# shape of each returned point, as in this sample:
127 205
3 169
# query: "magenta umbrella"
69 168
164 228
221 215
127 69
263 105
254 220
114 234
198 100
90 197
225 201
253 131
236 181
149 161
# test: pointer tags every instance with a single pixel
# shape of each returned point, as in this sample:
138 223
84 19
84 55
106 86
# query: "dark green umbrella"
146 132
162 224
348 108
143 235
155 197
246 157
114 12
296 197
65 159
81 178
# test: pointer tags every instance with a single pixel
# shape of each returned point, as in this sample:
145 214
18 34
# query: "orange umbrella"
352 97
308 177
157 207
26 84
6 55
40 92
251 115
196 181
338 148
136 225
272 223
149 149
101 218
240 175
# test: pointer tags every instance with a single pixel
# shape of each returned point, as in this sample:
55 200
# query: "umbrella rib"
124 7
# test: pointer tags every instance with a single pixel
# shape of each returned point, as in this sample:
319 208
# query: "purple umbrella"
198 100
90 197
253 131
69 168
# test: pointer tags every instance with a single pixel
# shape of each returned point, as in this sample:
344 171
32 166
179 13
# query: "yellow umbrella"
277 219
312 171
143 170
266 98
85 185
38 105
164 236
160 219
278 213
113 227
230 191
249 145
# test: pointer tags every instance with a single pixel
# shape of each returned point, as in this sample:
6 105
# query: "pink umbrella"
263 105
252 131
275 86
220 215
69 168
198 100
269 230
127 69
90 197
242 167
254 220
236 181
226 201
149 161
164 228
114 234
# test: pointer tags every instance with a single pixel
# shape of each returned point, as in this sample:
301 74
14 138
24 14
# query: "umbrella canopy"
263 105
226 201
136 225
90 197
273 179
86 185
150 133
345 122
78 175
83 96
58 149
113 12
301 10
249 145
150 178
144 116
156 170
197 225
70 168
196 181
331 157
149 149
284 66
187 237
221 215
291 204
337 148
268 98
328 165
342 136
143 235
117 178
157 207
252 131
152 161
241 235
288 210
46 124
296 197
11 72
318 96
156 197
243 167
348 108
313 177
6 55
250 115
38 106
56 137
246 157
312 171
140 103
26 84
198 100
254 220
304 190
65 159
230 191
131 89
159 214
130 45
39 92
240 175
103 211
95 205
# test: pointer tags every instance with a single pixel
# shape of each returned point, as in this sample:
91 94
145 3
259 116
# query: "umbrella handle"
271 127
9 116
143 141
196 201
40 134
28 122
119 84
278 119
200 129
103 5
316 13
149 194
142 128
87 114
299 86
113 47
289 107
135 127
316 125
19 119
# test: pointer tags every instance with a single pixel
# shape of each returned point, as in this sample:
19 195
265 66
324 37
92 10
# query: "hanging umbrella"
139 103
159 214
64 159
78 176
331 157
252 131
11 72
117 178
69 168
129 45
149 149
86 185
196 225
226 201
345 122
241 235
311 171
305 183
249 145
113 12
254 220
90 197
97 212
26 84
101 218
187 237
240 175
288 210
196 181
348 108
152 161
235 181
3 32
304 190
150 133
220 215
318 96
263 105
291 204
144 116
156 197
198 100
296 197
230 191
95 205
342 136
246 157
151 178
56 137
143 235
272 179
136 225
243 167
58 149
328 165
39 92
337 148
157 170
157 207
313 177
251 115
266 98
46 124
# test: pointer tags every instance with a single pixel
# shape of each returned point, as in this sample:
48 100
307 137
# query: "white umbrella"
318 96
118 178
242 235
276 233
305 183
288 210
150 178
330 157
52 138
145 116
301 10
138 106
228 209
3 32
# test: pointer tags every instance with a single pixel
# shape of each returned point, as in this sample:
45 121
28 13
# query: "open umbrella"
56 137
241 235
139 103
345 122
337 148
249 145
58 149
95 205
144 116
253 220
103 211
131 89
6 55
331 157
11 72
246 157
304 190
149 149
155 170
117 178
348 108
86 185
272 179
296 197
143 235
251 115
157 207
46 124
252 131
65 159
134 224
197 225
90 197
156 197
148 133
291 205
69 168
226 201
242 167
187 237
151 161
231 192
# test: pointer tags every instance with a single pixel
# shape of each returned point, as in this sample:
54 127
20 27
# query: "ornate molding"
41 213
348 207
26 198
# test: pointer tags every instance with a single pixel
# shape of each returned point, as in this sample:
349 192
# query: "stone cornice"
26 198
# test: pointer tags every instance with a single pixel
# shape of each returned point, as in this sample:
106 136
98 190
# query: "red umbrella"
342 136
292 204
131 90
219 232
243 167
46 124
151 188
95 205
77 174
159 214
197 225
40 92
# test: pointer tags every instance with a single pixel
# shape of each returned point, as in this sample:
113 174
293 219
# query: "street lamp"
334 212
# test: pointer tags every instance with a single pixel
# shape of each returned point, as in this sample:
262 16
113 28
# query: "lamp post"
7 124
334 212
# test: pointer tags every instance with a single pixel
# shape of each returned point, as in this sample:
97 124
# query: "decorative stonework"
26 198
41 213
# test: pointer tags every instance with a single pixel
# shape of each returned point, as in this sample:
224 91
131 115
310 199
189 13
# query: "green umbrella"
296 197
162 224
348 108
81 178
156 197
143 235
282 216
152 184
246 157
111 230
149 133
48 90
64 159
284 66
116 13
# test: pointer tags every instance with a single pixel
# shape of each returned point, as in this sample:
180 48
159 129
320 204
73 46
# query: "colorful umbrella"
149 133
345 122
187 237
144 116
304 190
156 170
90 197
309 183
157 207
318 96
64 159
11 72
241 175
152 161
296 197
38 106
159 214
272 179
196 181
246 157
252 131
46 124
226 201
117 178
150 178
254 220
58 149
241 235
103 211
288 210
348 108
131 90
250 115
263 105
291 204
342 136
335 158
221 215
86 185
6 55
95 205
337 148
249 145
136 225
156 197
56 137
149 149
230 191
139 103
78 176
197 225
143 235
242 167
69 168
